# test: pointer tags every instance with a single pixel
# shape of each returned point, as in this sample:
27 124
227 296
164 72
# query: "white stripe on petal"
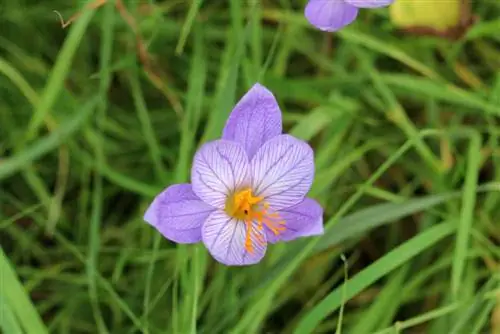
219 168
225 238
282 171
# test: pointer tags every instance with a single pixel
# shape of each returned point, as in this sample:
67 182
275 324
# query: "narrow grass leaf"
147 128
483 29
364 220
58 74
313 123
48 143
372 273
443 92
94 236
8 322
228 75
431 315
188 23
467 215
387 302
19 81
357 37
194 103
387 49
474 306
482 322
17 299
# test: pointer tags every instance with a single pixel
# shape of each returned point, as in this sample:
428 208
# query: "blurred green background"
97 118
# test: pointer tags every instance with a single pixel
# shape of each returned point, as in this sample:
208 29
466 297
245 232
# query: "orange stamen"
253 210
248 239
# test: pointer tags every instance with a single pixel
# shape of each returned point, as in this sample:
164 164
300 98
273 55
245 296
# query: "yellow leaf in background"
439 15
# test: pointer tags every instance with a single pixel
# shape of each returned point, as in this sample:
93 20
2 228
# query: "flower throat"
244 206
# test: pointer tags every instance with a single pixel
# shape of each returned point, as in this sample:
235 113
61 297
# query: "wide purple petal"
178 214
330 15
282 171
255 119
302 220
225 238
219 168
369 3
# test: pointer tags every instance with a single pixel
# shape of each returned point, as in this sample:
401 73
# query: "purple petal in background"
225 238
302 220
282 171
255 119
219 168
369 3
330 15
178 214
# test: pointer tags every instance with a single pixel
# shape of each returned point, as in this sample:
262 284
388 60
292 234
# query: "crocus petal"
330 15
225 238
178 214
255 119
282 171
302 220
219 168
369 3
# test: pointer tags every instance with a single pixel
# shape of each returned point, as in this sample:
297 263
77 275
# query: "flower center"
243 205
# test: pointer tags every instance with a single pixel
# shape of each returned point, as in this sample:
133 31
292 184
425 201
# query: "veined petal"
330 15
219 168
369 3
255 119
226 237
282 171
178 214
302 220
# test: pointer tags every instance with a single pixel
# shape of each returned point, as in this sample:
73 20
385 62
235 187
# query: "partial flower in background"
450 18
247 189
332 15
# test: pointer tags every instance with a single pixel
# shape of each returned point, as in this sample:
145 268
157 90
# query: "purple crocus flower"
332 15
247 189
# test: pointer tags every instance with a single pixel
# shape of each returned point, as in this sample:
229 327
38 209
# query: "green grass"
407 144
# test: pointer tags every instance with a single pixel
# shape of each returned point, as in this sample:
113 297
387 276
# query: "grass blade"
48 143
58 74
467 215
371 274
17 298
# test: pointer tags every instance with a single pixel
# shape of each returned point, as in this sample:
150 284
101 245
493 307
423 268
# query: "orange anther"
243 205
